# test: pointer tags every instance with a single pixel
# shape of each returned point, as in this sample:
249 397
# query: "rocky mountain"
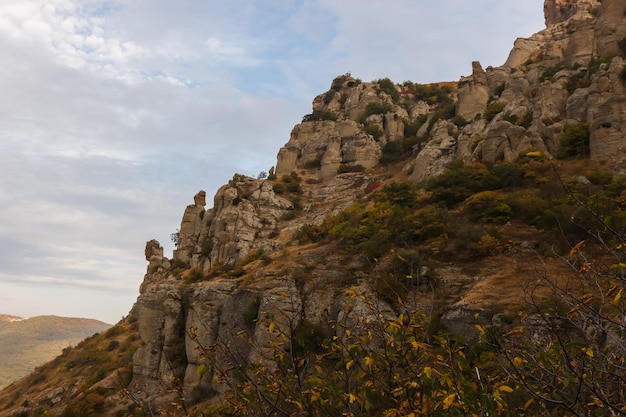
459 200
28 343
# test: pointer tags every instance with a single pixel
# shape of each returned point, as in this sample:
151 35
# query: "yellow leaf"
535 154
479 328
618 298
272 327
352 398
516 332
369 361
349 365
201 370
517 361
497 396
528 404
576 249
428 371
315 395
588 352
348 333
448 401
618 266
505 388
417 345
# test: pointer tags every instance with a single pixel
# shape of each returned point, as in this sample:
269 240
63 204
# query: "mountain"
418 249
28 343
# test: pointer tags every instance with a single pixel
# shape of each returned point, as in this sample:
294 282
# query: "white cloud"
115 113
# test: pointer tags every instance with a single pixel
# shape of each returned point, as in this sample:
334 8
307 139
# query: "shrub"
374 108
374 130
550 72
194 274
493 109
387 86
329 96
488 206
457 182
411 128
574 142
310 234
391 152
459 121
251 313
319 115
343 168
289 183
508 174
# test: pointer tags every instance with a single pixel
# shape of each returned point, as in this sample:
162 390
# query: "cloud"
116 112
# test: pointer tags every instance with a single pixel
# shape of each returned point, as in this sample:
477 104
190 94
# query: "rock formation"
571 73
557 77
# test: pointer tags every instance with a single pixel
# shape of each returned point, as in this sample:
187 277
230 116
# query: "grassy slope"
26 344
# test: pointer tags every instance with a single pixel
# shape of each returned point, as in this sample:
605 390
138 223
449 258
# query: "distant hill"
28 343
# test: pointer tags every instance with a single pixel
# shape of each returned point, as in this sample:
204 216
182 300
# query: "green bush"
488 206
374 130
375 108
493 109
251 312
508 174
411 128
391 152
458 182
387 86
574 142
289 183
343 168
459 121
549 73
319 115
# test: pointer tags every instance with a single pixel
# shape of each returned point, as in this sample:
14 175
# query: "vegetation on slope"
26 344
571 362
85 380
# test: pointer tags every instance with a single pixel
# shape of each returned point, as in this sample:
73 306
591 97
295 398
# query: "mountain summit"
418 249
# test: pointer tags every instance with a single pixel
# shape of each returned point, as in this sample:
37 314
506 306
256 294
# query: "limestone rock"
474 94
200 198
438 152
326 145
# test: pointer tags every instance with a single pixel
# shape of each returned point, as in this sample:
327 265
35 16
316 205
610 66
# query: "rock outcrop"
358 135
557 77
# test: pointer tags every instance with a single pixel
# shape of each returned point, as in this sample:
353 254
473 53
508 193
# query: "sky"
114 113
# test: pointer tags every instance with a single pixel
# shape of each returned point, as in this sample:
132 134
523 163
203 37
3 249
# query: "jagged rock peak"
557 11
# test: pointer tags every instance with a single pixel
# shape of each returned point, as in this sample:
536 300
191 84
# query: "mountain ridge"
26 343
386 198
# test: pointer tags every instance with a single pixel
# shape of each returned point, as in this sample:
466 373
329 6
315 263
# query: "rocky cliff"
571 73
243 273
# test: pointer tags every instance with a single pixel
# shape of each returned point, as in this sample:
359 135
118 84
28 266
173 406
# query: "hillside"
418 249
28 343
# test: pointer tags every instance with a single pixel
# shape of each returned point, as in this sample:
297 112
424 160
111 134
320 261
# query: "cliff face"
240 266
570 73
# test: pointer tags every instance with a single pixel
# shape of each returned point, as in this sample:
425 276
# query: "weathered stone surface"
178 320
200 198
438 152
474 94
606 113
326 145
